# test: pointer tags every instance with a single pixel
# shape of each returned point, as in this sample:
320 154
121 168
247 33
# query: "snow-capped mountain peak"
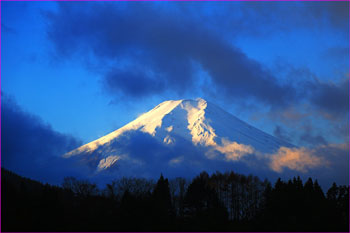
184 111
197 122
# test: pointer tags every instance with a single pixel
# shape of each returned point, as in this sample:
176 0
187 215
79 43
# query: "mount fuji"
177 137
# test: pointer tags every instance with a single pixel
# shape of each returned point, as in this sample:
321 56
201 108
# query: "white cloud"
298 159
233 151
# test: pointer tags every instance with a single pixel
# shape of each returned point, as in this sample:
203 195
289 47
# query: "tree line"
217 202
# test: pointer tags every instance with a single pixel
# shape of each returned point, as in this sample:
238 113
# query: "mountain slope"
181 123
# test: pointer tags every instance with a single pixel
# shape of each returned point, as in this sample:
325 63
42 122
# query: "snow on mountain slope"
202 123
147 122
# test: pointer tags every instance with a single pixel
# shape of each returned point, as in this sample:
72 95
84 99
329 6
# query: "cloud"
299 159
279 132
171 51
136 82
285 16
340 54
308 136
140 59
233 150
337 156
341 129
325 105
328 163
338 13
331 99
332 157
328 98
31 147
262 19
295 159
180 42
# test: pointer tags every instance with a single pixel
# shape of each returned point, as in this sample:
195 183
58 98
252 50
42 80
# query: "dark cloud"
312 139
137 83
166 47
285 16
338 168
259 19
341 129
338 53
141 50
279 132
32 148
338 13
326 98
308 137
332 99
146 49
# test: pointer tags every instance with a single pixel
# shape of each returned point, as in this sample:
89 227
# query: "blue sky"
86 69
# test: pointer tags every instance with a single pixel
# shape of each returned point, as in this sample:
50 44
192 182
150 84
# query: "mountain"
194 133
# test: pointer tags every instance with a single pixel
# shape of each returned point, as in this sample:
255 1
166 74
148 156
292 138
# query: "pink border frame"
158 0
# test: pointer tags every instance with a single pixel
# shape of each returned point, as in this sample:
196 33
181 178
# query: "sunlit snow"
197 121
107 162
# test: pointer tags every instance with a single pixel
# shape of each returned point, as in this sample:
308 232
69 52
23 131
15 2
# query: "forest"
217 202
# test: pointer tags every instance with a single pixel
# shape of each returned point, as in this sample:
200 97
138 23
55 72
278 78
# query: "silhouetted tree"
244 204
80 187
319 195
161 202
332 193
202 204
178 187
